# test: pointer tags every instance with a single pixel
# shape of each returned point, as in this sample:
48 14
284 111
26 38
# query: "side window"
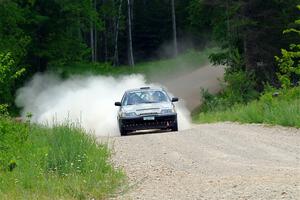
125 100
167 97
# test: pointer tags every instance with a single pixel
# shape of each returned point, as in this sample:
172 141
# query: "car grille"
140 124
152 113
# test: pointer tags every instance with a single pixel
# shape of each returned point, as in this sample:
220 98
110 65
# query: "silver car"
146 108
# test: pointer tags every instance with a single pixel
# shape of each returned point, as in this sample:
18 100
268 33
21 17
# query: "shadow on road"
146 132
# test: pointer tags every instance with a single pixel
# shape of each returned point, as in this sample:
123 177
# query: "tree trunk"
130 49
92 35
92 41
174 28
78 28
117 26
95 35
228 27
248 65
96 46
105 45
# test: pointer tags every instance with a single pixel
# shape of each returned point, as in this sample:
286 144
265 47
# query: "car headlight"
168 111
129 114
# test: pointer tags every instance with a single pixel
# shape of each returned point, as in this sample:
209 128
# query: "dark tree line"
249 32
40 34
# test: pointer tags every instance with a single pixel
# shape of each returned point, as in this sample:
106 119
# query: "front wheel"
123 131
175 127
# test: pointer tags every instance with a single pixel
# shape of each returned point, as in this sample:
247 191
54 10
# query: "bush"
9 72
282 109
3 110
58 163
239 88
289 63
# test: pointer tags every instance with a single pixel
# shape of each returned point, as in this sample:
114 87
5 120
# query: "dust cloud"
88 101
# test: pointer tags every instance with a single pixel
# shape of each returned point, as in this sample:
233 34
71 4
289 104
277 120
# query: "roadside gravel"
211 161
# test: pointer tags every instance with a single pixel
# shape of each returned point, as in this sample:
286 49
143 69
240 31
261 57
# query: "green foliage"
289 62
42 32
3 110
58 163
289 65
62 50
13 37
238 88
61 27
246 72
232 58
11 140
282 109
9 72
249 33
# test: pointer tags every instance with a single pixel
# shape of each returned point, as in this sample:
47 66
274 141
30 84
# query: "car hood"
145 109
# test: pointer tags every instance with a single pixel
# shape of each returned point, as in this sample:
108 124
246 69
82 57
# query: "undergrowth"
62 162
277 107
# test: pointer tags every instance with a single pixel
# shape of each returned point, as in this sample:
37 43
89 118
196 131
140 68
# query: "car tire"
175 127
123 132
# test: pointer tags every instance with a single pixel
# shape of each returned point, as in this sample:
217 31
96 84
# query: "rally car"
146 108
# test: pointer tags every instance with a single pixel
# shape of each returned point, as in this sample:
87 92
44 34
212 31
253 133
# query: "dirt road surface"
212 161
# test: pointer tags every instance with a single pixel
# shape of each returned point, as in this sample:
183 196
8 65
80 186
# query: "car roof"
145 89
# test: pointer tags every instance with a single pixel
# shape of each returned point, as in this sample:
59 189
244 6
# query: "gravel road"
211 161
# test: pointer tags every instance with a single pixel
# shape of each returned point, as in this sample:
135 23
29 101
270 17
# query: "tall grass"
58 163
282 110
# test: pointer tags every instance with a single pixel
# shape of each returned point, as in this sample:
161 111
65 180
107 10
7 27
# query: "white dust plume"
88 101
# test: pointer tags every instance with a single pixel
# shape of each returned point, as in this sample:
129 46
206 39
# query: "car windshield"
141 97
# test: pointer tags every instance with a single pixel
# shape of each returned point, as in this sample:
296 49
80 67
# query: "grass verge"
283 109
62 162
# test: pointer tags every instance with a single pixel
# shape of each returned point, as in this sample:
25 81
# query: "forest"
40 34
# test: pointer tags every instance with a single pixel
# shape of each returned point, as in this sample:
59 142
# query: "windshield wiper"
151 102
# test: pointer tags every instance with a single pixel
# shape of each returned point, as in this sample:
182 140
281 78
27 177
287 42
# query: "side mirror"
175 99
118 104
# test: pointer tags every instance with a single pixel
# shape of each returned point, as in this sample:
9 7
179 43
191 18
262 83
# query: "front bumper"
139 123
